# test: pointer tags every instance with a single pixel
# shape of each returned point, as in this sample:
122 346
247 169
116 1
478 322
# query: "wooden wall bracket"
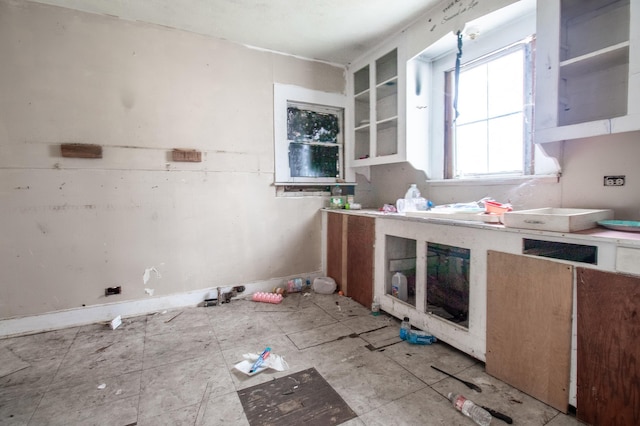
81 150
186 155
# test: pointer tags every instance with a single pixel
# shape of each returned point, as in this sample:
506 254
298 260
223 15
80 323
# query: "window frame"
429 65
527 45
283 95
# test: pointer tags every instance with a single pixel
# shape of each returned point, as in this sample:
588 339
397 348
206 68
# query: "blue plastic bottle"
405 328
418 337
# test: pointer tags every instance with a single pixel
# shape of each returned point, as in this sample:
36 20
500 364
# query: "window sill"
496 180
300 189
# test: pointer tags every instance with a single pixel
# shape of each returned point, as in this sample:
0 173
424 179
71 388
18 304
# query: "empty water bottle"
418 337
405 328
470 409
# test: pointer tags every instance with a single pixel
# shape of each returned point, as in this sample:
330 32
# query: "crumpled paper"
273 361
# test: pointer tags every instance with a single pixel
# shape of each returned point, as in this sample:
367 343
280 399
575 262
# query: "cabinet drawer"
628 260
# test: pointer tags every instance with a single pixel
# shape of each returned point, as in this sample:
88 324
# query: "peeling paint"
147 274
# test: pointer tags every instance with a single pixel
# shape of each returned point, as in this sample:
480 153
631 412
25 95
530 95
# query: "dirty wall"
71 227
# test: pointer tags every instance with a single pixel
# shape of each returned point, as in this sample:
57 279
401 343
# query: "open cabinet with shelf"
587 51
377 86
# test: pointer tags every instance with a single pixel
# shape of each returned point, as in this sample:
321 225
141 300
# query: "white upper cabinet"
377 90
587 68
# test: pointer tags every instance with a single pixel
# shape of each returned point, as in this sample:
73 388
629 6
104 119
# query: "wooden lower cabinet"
529 305
608 365
350 254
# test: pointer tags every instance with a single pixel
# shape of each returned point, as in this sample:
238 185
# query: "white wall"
72 227
587 161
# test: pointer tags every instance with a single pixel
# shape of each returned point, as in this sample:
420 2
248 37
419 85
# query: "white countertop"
628 239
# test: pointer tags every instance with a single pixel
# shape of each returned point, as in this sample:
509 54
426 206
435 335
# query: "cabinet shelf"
363 96
387 123
387 88
378 85
592 62
586 68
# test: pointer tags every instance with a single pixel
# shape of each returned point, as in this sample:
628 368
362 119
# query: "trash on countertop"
273 361
485 205
494 207
413 201
388 208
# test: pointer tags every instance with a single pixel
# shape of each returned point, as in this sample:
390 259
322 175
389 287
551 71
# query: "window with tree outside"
491 131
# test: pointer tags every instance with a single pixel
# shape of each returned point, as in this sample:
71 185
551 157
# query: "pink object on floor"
266 297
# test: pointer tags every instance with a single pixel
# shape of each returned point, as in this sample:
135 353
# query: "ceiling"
336 31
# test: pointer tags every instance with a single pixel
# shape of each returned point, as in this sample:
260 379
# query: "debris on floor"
273 361
266 297
116 322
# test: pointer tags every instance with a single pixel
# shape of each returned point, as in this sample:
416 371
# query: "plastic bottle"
419 337
412 192
405 328
375 307
399 286
336 201
470 409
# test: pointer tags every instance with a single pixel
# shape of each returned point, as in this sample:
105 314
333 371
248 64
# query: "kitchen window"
308 136
495 102
489 133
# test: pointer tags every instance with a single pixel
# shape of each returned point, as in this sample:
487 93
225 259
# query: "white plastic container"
412 192
399 286
324 285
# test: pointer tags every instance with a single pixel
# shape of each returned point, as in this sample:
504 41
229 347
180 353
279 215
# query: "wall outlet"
109 291
614 180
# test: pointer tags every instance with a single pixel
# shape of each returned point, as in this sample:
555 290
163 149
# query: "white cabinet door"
587 71
377 87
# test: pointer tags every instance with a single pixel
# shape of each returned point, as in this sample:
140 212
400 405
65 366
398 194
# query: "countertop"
629 239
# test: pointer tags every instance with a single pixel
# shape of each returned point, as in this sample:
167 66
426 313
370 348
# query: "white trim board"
18 326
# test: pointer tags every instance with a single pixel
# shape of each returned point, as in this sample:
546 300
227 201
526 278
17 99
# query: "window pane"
472 95
505 78
505 144
471 149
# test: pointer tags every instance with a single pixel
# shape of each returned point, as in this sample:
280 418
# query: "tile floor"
176 368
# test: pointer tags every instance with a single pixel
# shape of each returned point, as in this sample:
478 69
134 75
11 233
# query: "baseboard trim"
75 317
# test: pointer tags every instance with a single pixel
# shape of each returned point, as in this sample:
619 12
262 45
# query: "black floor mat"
303 398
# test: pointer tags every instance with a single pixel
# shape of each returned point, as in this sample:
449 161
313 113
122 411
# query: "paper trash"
275 362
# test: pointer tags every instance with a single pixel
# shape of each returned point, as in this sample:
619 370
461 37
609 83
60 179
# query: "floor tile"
223 410
418 359
302 319
168 348
98 360
320 335
18 410
183 383
176 367
176 320
181 416
91 398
